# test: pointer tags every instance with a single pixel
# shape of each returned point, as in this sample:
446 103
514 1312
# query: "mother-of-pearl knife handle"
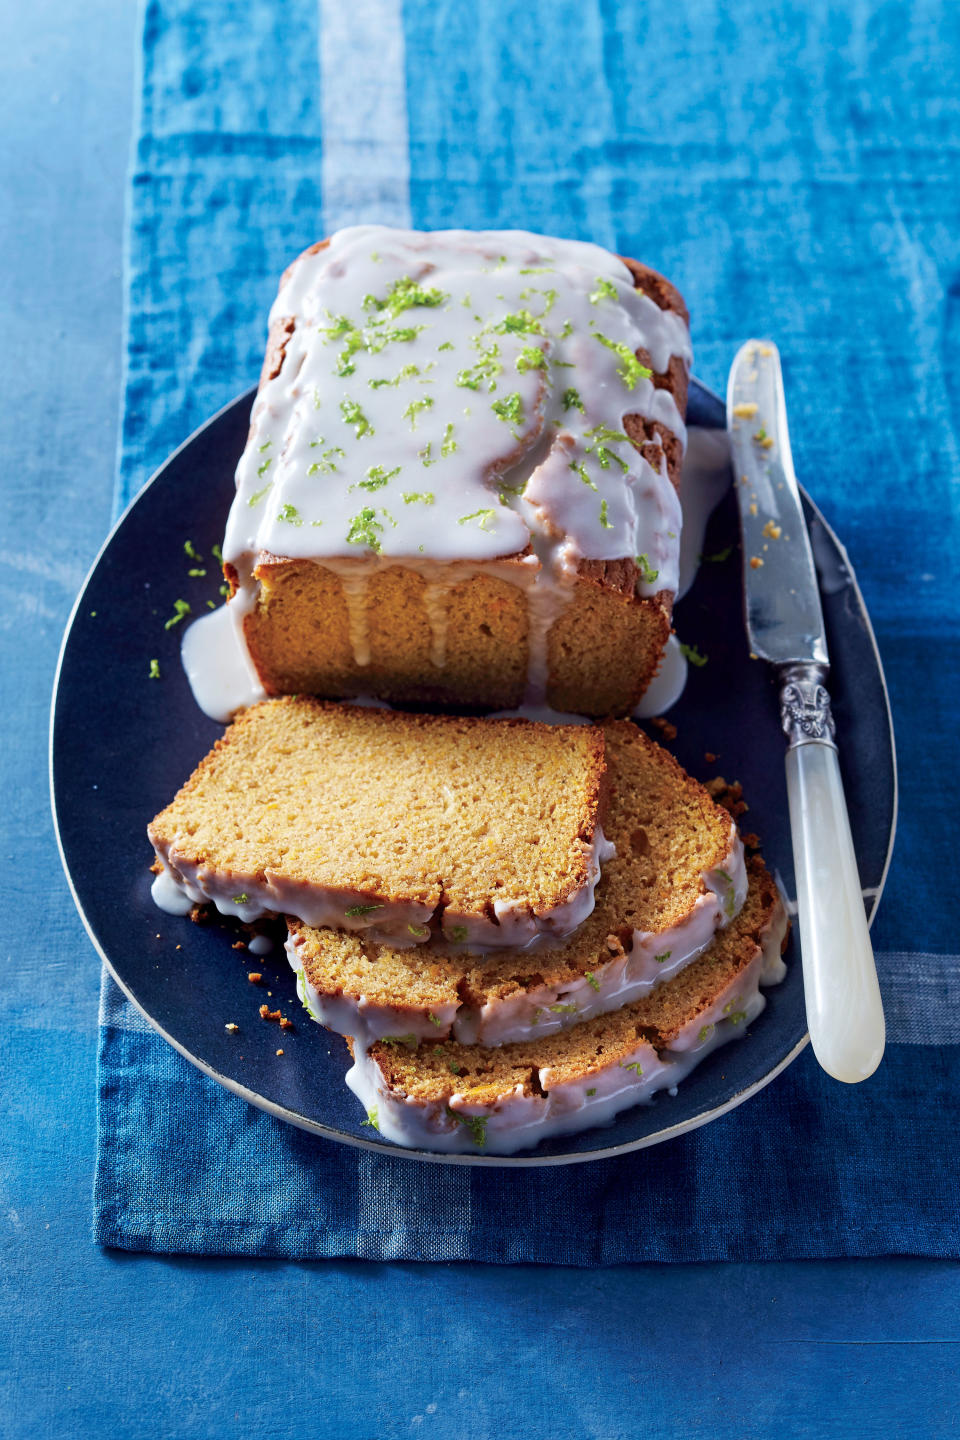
844 1011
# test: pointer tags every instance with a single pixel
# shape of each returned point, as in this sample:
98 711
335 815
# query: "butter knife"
785 627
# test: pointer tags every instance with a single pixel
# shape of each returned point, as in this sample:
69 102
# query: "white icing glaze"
217 663
520 1120
252 896
537 1012
667 685
380 437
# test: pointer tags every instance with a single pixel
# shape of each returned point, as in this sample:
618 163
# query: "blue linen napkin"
788 166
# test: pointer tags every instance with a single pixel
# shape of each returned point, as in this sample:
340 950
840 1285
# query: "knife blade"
784 621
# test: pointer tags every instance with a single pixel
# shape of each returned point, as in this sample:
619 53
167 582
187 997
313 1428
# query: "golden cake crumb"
755 562
254 977
746 409
231 1028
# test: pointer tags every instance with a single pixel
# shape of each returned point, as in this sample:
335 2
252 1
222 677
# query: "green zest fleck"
630 370
488 367
408 372
453 1067
422 932
571 400
738 1017
262 469
353 415
457 933
647 572
424 454
371 1119
404 295
449 444
189 551
579 468
225 591
592 1090
447 345
531 358
154 671
181 611
705 1032
433 1019
563 1009
409 1042
661 958
729 904
634 1066
605 290
521 323
509 409
217 554
537 270
484 517
255 499
361 910
424 496
476 1124
365 529
290 514
693 655
415 408
196 574
592 980
325 465
211 605
604 519
377 477
242 899
737 1000
602 437
719 556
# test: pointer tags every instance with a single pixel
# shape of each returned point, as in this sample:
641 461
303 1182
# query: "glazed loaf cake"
460 482
451 1097
675 878
397 825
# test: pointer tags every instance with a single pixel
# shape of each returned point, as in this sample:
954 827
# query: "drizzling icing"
458 397
521 1119
184 882
538 1011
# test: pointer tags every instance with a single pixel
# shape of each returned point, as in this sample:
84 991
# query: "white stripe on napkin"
921 997
363 101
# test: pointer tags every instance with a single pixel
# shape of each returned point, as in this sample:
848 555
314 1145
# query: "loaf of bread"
447 1096
675 878
400 826
460 482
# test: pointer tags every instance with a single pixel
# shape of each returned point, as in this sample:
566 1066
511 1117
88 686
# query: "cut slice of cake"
394 824
451 1097
460 481
676 877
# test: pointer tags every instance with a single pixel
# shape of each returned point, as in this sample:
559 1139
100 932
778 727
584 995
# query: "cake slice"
460 485
455 1098
394 824
677 875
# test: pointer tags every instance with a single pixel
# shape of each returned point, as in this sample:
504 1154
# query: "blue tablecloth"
794 169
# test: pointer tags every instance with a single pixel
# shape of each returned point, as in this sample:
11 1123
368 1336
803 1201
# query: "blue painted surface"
94 1343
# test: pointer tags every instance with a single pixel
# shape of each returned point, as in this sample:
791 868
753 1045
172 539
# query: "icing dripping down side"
250 896
521 1119
536 1012
457 397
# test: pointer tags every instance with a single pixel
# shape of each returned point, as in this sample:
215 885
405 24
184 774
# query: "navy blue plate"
123 743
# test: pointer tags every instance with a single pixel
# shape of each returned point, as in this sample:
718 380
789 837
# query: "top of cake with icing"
460 396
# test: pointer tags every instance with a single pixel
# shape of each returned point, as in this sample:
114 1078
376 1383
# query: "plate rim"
380 1147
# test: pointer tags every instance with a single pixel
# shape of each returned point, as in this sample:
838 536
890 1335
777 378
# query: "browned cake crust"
379 810
667 832
603 649
436 1073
